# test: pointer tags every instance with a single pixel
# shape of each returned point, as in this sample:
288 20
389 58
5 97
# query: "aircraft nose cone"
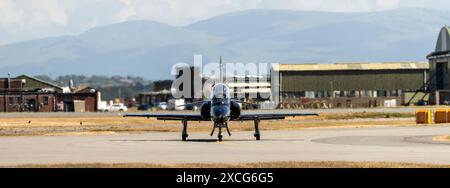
217 112
220 113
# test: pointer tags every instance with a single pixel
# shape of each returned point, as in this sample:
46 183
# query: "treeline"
112 87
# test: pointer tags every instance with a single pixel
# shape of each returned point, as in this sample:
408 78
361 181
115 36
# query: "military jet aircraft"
220 110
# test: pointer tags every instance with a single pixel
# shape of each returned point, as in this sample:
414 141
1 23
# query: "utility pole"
120 92
9 81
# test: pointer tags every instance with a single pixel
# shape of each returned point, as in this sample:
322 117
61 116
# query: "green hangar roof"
352 66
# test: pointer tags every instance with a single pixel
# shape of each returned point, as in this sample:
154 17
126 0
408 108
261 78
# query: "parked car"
176 104
162 106
103 107
145 107
118 108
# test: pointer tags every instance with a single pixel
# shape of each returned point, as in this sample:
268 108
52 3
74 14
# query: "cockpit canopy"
220 93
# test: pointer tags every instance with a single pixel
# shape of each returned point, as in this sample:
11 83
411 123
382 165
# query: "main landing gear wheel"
184 133
257 134
184 137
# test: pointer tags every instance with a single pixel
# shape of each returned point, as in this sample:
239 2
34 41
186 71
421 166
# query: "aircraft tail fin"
221 69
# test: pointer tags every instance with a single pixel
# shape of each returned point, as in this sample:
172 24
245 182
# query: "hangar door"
79 106
441 76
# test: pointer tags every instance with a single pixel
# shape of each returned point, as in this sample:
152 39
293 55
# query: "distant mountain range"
149 49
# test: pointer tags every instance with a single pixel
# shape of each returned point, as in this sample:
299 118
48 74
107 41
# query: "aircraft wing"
268 116
169 117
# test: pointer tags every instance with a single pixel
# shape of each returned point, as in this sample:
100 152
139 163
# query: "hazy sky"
31 19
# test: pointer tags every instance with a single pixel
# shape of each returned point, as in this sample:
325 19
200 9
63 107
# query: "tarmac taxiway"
390 144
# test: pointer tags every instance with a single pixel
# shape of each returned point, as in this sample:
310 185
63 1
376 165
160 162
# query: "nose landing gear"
219 136
220 126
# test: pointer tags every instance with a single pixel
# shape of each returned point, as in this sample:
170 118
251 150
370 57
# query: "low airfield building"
346 84
80 99
28 94
256 88
154 98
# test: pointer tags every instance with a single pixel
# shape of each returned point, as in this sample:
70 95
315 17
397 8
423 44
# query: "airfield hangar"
347 85
366 84
438 84
29 94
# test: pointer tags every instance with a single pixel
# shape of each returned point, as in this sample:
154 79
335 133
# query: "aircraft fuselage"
220 114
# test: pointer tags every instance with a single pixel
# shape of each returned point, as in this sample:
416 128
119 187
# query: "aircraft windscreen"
220 94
